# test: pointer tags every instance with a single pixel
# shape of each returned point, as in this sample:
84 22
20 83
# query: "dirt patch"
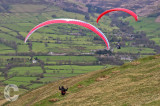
157 57
102 78
135 63
54 100
115 72
158 19
2 102
80 86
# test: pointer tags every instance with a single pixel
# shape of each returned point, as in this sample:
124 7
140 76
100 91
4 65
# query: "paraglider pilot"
63 90
118 46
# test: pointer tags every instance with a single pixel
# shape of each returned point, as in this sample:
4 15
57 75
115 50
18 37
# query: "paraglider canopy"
119 9
71 21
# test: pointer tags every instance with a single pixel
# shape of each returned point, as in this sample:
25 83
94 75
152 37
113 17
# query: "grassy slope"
135 83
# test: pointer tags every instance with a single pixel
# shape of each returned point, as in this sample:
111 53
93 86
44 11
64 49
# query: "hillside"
135 83
141 7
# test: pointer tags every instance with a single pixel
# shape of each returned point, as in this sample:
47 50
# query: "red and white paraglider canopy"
71 21
118 9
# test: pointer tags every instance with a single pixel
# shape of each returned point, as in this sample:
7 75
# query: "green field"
134 50
1 78
9 57
25 71
22 79
23 48
50 59
67 70
5 49
33 86
16 83
148 25
24 75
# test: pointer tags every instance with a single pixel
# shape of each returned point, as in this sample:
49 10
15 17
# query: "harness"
63 92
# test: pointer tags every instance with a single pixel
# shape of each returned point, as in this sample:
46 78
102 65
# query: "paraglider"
118 46
119 9
71 21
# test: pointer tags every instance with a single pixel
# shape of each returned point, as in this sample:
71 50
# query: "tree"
54 16
103 52
87 17
36 58
30 46
72 71
27 73
46 45
41 76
